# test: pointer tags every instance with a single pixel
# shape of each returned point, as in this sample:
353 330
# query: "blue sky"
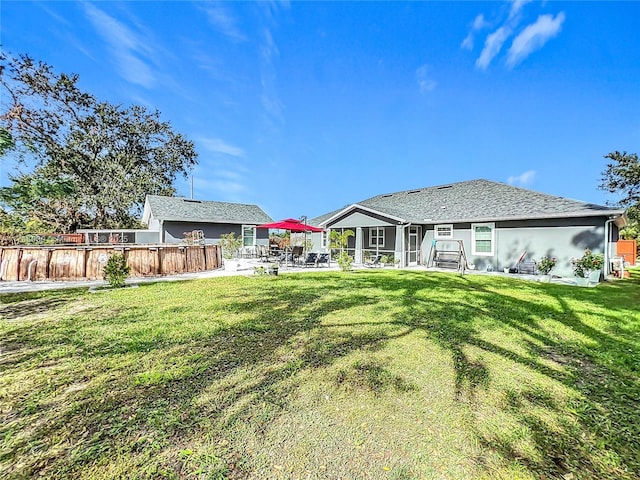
305 107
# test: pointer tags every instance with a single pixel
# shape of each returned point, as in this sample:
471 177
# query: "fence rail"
86 262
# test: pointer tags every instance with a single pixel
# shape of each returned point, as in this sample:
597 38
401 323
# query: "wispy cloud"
516 7
492 46
522 180
529 39
425 82
533 37
217 145
478 24
127 47
223 21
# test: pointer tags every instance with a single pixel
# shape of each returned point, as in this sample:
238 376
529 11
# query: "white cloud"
516 6
425 82
467 43
478 24
126 46
492 46
533 37
523 179
223 21
217 145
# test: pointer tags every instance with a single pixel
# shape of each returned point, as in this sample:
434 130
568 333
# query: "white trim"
324 238
255 235
492 226
443 237
366 209
377 236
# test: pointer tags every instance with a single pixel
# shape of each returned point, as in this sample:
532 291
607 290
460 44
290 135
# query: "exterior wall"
563 239
359 218
174 231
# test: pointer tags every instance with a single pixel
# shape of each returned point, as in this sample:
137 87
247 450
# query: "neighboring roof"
473 201
179 209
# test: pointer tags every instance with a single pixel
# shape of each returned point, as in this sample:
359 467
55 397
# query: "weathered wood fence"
86 262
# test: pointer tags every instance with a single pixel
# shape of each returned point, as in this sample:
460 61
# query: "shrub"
587 263
345 261
230 244
116 270
546 264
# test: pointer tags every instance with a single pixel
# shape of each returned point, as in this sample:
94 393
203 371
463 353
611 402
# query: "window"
443 232
482 239
248 235
323 241
376 236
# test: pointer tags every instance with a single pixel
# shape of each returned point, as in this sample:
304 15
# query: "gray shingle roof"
185 210
476 200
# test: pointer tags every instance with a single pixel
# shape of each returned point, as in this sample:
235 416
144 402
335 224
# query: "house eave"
356 206
600 213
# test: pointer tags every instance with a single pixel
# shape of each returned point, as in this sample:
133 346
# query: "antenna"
192 186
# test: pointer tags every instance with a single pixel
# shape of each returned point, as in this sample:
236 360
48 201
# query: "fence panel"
10 264
144 262
75 263
67 264
172 260
34 264
195 259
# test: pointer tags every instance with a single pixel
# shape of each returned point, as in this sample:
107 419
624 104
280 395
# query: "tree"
108 157
622 177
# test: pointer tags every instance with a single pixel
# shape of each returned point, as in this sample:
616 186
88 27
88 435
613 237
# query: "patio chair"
323 258
374 263
296 253
312 259
263 253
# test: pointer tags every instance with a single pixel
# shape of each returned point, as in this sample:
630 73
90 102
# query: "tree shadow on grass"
601 440
144 397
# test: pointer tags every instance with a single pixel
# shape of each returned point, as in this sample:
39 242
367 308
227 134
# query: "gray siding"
174 231
563 239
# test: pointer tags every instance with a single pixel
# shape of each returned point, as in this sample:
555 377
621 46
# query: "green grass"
365 375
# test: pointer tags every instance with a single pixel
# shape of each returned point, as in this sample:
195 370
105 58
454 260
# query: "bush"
587 263
345 261
230 244
545 265
116 270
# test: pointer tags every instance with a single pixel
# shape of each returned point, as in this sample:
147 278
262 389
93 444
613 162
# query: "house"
171 217
493 223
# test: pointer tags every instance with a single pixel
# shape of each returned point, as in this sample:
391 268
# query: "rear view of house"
493 223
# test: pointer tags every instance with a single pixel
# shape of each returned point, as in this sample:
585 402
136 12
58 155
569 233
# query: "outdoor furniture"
312 259
262 253
447 259
296 253
375 262
323 259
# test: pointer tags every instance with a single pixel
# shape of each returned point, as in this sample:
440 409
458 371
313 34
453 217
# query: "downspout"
607 244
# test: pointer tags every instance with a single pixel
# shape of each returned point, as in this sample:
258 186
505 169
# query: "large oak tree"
91 162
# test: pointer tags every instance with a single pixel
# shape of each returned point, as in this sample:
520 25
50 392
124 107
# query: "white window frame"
377 236
324 238
437 236
255 235
493 239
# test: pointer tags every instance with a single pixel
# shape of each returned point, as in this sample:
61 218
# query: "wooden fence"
86 263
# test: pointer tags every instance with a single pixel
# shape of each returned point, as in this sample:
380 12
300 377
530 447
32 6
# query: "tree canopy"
91 162
622 177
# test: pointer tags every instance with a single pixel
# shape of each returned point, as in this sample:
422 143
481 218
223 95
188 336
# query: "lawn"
382 374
